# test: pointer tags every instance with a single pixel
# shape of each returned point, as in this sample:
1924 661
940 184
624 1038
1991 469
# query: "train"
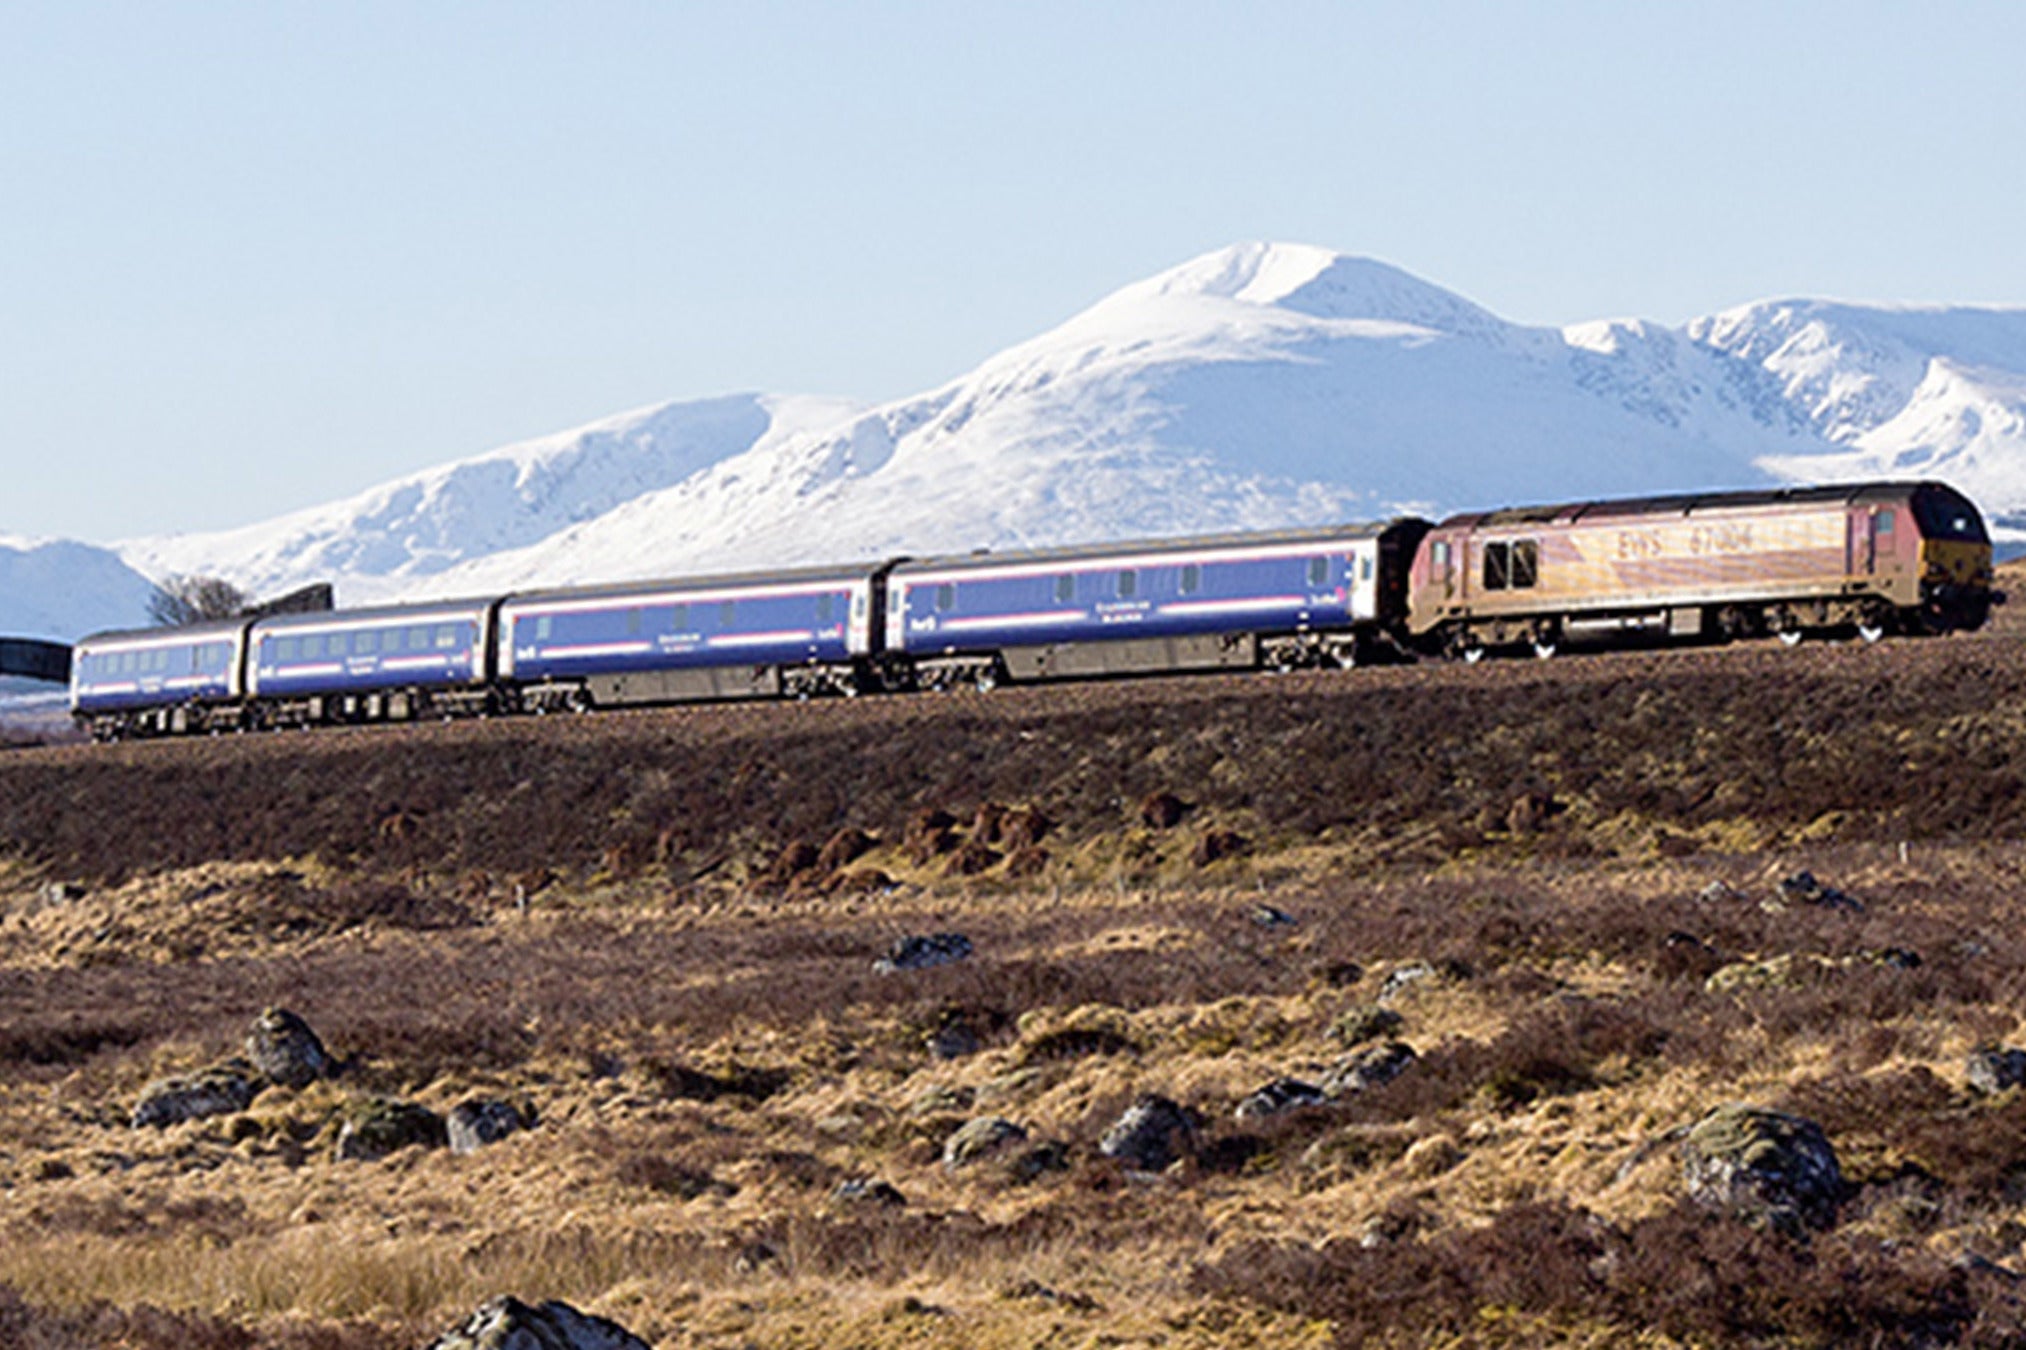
1863 560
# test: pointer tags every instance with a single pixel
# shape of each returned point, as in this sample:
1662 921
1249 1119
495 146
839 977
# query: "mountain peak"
1320 283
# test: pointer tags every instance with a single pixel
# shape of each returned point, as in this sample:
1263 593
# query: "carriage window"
1497 566
1526 563
1129 585
632 623
366 644
337 644
727 612
826 607
313 645
946 596
1318 571
418 639
1365 567
1065 590
545 624
678 619
285 649
446 636
1192 579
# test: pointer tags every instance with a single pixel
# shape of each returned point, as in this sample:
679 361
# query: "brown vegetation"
657 931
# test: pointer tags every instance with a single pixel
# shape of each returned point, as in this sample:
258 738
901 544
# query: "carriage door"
1861 550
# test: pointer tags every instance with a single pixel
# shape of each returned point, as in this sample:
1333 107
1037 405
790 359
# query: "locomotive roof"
1688 503
1131 547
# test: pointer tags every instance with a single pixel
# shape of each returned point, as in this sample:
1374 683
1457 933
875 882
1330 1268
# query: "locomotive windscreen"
1944 513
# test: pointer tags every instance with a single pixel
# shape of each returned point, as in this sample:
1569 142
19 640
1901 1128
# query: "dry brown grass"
710 1051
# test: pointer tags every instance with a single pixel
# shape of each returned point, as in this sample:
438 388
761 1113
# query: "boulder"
1270 916
282 1046
979 1139
474 1123
1368 1069
1991 1069
219 1090
1399 981
1789 970
921 951
1282 1094
953 1038
382 1126
1152 1135
509 1324
867 1192
1365 1022
1162 810
1770 1170
1803 889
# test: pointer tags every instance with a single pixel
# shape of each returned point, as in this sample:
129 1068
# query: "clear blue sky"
256 256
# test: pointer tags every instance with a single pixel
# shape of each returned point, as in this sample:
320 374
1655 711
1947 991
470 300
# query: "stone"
474 1123
921 951
1162 810
1789 970
952 1039
381 1126
1803 889
1765 1168
1282 1094
1217 845
1992 1069
1369 1068
282 1046
1152 1135
978 1139
869 1192
219 1090
1270 916
1719 892
1038 1160
1399 981
509 1324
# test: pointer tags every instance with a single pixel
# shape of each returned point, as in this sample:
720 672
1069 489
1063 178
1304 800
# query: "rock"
922 951
979 1139
1282 1094
953 1039
1369 1068
1366 1022
1342 974
1399 981
988 825
61 892
1992 1069
1431 1157
217 1091
1719 892
972 858
1026 862
1270 916
1024 828
509 1324
282 1046
477 1122
1529 812
942 1100
1031 1164
382 1126
1768 1169
867 1191
1162 810
1152 1135
1803 889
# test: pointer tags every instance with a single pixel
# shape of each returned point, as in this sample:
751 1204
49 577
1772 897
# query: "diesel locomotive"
1862 559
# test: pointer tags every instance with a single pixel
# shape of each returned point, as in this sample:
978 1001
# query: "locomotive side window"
1497 566
1129 584
1882 523
1526 563
946 596
1065 590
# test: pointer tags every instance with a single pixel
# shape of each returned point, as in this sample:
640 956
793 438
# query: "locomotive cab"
1955 558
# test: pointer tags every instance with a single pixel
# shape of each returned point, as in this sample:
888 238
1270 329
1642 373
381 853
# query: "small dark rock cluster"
1992 1069
509 1324
1153 1134
921 951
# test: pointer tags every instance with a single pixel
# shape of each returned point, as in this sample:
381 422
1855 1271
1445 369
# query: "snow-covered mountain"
57 589
1261 385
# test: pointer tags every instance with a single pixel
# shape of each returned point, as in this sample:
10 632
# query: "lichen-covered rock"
1399 981
219 1090
1768 1169
382 1126
282 1046
1789 970
1992 1069
979 1139
473 1124
1282 1094
1152 1135
922 951
1368 1069
509 1324
1366 1022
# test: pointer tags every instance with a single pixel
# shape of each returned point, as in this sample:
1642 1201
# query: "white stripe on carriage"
1015 620
1261 605
593 649
195 681
518 610
417 662
760 639
331 668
